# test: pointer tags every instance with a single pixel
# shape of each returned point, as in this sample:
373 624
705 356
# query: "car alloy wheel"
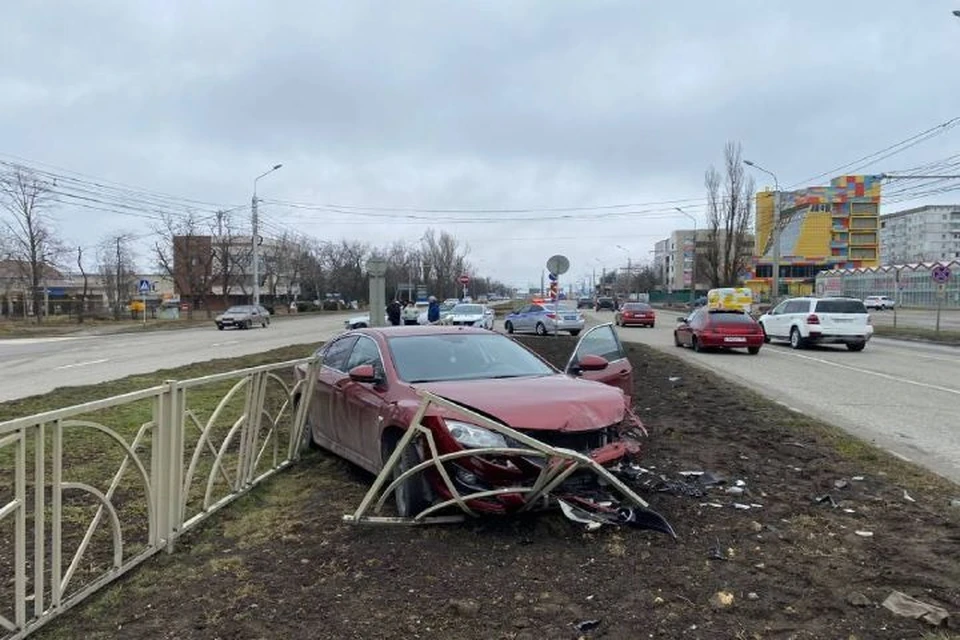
508 326
696 344
411 495
541 329
795 340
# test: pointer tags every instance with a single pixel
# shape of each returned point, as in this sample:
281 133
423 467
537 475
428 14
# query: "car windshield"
730 317
840 306
239 310
463 356
636 306
468 310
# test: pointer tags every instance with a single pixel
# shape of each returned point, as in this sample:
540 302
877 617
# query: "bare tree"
86 286
232 256
186 254
446 260
729 213
118 269
26 199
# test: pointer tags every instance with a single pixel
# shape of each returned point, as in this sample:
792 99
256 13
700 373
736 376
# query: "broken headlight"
471 436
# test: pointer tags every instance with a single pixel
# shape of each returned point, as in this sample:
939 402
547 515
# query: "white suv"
879 302
805 321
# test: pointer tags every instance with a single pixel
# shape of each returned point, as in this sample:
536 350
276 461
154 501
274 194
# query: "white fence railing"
117 480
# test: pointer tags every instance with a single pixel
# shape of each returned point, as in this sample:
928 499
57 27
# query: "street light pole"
629 271
775 279
255 221
693 264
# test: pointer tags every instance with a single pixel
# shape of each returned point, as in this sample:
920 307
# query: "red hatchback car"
638 314
719 329
366 397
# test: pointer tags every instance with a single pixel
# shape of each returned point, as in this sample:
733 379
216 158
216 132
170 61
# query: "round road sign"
558 264
941 273
464 279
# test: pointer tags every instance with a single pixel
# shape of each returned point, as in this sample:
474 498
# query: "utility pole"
254 219
775 279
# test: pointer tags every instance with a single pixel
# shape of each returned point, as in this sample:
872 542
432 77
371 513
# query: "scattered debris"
756 506
709 479
739 483
735 491
673 378
909 607
658 600
840 484
587 625
716 553
753 596
721 599
857 478
906 496
849 511
465 608
857 599
687 474
715 505
864 534
756 526
741 506
955 502
826 498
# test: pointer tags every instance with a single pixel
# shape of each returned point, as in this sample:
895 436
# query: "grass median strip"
918 333
280 562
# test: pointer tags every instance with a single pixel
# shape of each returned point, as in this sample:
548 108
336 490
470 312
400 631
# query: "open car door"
602 340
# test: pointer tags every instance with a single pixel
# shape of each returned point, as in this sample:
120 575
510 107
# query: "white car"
879 302
361 322
470 315
806 321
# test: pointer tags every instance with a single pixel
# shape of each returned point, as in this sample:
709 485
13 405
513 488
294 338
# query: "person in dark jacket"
433 311
393 312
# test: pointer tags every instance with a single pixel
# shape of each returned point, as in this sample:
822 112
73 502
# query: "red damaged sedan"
718 329
366 397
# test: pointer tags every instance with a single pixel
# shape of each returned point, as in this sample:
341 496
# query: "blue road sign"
553 277
144 286
941 273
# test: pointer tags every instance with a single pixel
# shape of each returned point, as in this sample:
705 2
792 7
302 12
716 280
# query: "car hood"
555 402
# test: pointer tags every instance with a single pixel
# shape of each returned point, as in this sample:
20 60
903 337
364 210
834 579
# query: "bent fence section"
90 491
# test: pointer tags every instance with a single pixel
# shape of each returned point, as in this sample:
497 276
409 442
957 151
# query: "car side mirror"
588 362
364 373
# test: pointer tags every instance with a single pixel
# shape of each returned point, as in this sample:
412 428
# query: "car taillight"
813 319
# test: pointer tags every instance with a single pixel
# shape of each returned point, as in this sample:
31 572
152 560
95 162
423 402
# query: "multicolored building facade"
822 228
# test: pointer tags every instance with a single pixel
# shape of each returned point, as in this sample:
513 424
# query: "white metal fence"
116 480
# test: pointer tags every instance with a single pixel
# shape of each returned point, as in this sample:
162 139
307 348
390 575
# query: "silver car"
243 317
544 318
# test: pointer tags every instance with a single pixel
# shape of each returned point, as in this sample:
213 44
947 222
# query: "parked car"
585 303
718 329
243 317
361 321
805 321
880 303
470 315
635 313
366 397
605 302
544 318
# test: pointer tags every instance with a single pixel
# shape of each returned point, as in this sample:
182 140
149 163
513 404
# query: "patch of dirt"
281 564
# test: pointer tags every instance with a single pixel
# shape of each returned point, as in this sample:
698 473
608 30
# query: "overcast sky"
458 104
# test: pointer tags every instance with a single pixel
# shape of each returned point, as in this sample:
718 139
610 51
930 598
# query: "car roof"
421 330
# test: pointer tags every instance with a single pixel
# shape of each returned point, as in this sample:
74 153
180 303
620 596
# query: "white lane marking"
885 376
19 341
82 364
224 344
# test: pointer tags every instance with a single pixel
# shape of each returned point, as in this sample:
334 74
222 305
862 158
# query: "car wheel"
696 344
575 332
541 329
795 340
766 338
856 346
676 340
410 495
220 326
753 350
508 326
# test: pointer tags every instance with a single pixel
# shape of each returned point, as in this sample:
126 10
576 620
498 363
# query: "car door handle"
624 374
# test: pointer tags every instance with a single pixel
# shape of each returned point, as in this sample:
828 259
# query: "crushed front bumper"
540 477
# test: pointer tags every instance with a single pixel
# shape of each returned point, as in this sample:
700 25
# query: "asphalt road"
30 366
902 396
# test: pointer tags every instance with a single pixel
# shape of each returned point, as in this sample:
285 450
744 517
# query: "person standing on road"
433 311
410 314
393 312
